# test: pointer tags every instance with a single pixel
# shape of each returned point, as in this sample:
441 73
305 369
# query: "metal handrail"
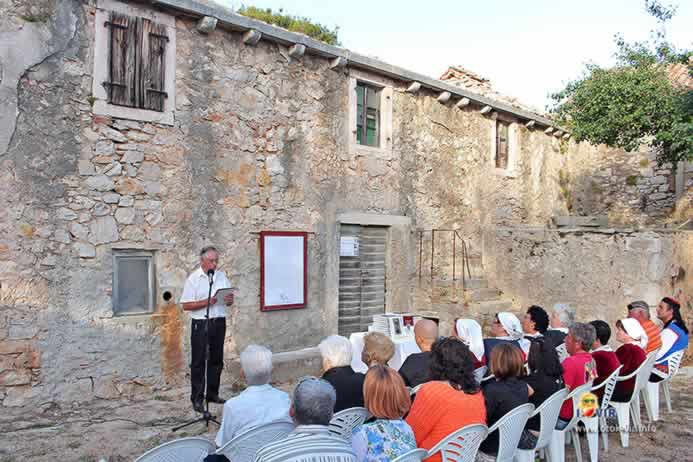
465 254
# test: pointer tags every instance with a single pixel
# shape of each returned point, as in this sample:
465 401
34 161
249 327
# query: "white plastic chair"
556 448
461 445
631 409
415 455
479 373
548 416
510 428
413 390
243 447
593 424
344 422
314 452
181 450
651 390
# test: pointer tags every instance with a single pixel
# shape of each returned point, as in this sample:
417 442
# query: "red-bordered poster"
283 270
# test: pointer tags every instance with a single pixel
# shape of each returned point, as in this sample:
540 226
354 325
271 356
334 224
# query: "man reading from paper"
194 301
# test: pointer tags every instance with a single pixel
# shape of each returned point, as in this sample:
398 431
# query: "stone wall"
260 142
597 271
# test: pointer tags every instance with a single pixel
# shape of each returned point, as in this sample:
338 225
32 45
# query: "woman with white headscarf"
506 328
631 354
469 331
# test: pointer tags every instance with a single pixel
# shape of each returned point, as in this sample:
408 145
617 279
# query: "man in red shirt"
605 359
579 367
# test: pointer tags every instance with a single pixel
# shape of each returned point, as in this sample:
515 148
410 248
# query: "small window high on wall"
133 282
502 143
367 115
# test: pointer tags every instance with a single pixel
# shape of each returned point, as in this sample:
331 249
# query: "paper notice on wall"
349 246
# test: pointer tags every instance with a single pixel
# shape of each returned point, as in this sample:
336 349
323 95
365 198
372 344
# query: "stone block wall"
260 142
597 271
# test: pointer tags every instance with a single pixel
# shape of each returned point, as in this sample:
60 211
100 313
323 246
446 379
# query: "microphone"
210 274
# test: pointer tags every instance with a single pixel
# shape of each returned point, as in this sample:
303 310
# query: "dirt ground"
121 430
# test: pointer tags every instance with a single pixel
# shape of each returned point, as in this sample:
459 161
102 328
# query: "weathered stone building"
239 127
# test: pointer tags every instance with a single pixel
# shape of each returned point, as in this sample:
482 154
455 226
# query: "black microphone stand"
206 415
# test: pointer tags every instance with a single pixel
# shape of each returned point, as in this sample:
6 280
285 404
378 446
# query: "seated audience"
674 335
451 400
469 331
506 328
377 349
504 392
415 369
604 357
387 399
631 354
336 362
562 317
579 367
311 409
545 375
258 404
535 323
640 311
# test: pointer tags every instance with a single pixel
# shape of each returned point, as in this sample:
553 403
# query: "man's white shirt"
196 288
256 405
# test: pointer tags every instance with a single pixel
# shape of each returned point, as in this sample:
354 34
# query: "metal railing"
466 271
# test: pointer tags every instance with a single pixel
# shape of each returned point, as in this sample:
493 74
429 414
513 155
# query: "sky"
528 49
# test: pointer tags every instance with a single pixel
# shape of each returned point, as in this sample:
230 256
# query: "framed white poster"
283 270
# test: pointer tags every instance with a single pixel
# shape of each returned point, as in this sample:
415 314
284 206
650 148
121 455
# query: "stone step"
475 283
490 307
482 294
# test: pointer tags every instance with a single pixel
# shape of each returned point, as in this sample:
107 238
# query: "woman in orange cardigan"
451 400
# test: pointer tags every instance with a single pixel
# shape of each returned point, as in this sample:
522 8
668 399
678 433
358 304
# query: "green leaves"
633 102
292 23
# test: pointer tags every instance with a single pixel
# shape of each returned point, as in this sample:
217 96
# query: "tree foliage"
634 101
293 23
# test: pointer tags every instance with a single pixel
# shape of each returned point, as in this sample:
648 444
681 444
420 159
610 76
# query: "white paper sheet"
283 270
349 246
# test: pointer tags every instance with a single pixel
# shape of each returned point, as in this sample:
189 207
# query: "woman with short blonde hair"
387 399
377 349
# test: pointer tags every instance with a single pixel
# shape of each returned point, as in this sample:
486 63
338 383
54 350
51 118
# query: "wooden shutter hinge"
161 92
112 24
161 36
113 84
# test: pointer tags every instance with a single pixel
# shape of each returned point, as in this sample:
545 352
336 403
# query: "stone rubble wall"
260 142
598 271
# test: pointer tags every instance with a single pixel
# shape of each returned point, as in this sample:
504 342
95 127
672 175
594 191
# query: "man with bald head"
415 369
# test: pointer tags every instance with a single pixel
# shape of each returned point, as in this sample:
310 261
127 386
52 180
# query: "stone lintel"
414 87
206 24
444 97
251 37
463 102
297 50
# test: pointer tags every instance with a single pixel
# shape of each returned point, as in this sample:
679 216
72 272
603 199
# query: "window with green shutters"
367 115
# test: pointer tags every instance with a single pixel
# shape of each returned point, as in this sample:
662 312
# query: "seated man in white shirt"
258 404
312 409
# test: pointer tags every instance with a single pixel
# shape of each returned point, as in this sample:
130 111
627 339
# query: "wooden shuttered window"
136 62
502 144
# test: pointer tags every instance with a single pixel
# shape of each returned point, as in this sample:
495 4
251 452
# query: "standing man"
194 301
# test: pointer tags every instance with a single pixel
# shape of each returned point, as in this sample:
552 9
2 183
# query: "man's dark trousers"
198 344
